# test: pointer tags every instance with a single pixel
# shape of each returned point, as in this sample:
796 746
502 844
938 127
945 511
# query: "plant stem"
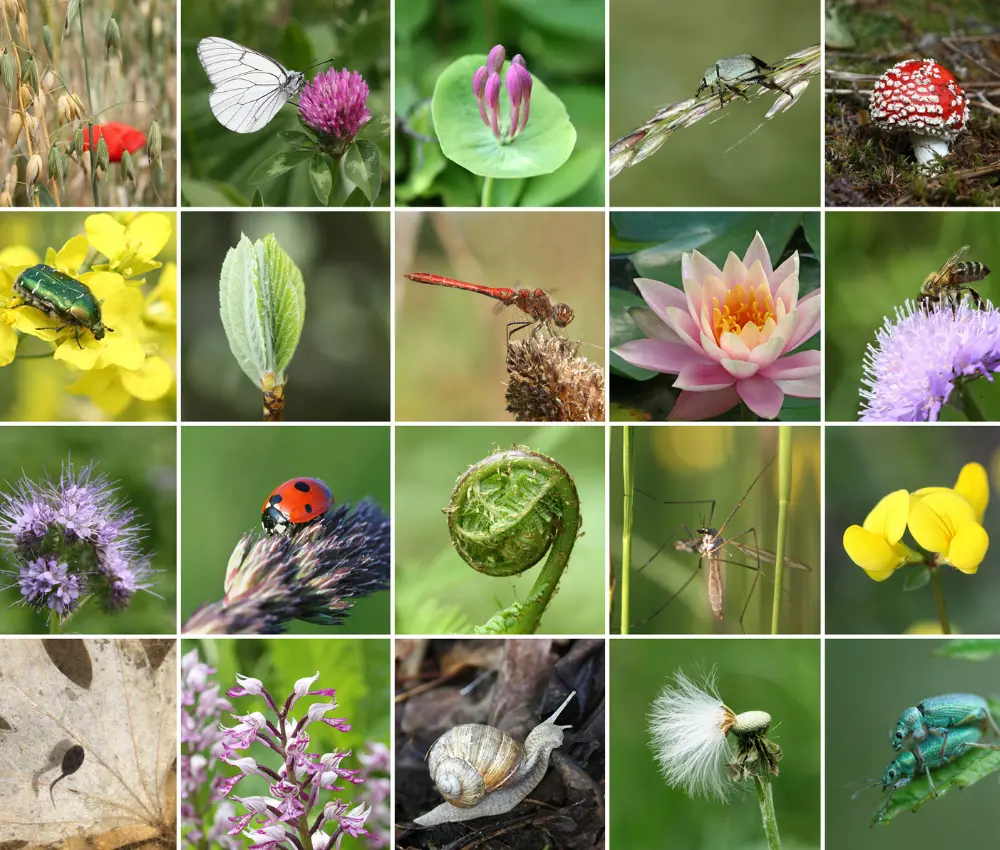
628 452
970 407
939 599
90 103
784 494
766 800
487 192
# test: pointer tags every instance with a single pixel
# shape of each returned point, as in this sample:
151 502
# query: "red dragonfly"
535 303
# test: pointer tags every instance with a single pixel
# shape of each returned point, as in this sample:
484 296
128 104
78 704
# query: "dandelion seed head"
687 726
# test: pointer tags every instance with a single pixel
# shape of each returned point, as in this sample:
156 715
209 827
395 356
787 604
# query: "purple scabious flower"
70 539
921 356
333 104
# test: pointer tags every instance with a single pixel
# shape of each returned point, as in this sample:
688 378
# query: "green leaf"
258 199
506 192
297 138
917 578
275 166
810 224
374 129
969 769
545 143
549 189
321 178
970 649
363 168
45 196
262 303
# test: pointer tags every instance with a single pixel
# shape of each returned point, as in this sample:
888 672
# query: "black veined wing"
250 88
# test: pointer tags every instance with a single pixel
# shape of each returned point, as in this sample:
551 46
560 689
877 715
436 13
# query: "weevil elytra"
63 298
940 716
929 754
736 73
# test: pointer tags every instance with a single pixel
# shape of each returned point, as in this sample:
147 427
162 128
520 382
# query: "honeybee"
951 282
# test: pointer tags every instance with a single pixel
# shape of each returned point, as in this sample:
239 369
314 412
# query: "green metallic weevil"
929 754
736 73
63 298
940 716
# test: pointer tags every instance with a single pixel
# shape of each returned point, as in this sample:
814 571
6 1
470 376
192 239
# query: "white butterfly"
250 88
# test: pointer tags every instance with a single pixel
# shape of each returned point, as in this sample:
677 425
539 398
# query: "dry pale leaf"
117 699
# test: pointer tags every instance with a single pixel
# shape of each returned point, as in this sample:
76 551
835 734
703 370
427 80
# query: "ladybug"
294 504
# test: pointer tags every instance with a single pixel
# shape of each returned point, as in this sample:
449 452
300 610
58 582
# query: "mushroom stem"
926 149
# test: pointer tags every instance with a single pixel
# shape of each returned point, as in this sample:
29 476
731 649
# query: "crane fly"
710 544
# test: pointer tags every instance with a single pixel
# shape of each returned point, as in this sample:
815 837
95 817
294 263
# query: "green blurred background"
862 466
875 261
781 677
659 52
215 162
340 371
358 669
436 591
651 244
34 389
562 42
871 682
228 473
143 464
451 345
676 462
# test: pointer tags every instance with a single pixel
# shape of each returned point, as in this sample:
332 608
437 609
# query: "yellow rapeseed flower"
129 245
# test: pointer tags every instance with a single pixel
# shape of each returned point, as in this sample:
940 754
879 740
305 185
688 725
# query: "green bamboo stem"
784 495
628 452
766 800
942 611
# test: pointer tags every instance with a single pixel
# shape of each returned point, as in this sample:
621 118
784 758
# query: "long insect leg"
739 504
756 578
657 612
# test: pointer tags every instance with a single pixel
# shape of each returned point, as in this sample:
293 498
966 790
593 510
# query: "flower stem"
939 599
487 192
628 452
90 103
970 407
766 800
784 494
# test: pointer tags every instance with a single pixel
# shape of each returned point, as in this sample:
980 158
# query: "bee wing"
954 258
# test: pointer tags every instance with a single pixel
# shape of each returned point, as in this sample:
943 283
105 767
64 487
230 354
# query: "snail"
482 771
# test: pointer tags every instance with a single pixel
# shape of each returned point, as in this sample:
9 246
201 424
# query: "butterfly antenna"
321 62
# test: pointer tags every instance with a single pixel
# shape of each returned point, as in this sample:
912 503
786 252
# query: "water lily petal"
807 325
805 364
788 292
756 281
739 368
699 268
652 326
801 387
757 252
777 341
657 355
695 406
659 295
787 268
734 346
734 272
750 334
702 377
761 395
684 326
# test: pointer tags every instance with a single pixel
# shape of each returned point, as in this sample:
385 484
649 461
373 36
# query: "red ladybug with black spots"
294 504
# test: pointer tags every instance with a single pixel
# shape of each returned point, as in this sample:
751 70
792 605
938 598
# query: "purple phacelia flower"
922 356
333 104
70 539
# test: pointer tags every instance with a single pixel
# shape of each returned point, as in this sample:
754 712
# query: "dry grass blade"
792 73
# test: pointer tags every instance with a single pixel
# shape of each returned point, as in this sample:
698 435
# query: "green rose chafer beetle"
63 298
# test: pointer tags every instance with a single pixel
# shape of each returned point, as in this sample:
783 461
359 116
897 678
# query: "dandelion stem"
970 407
939 600
487 192
628 453
784 492
766 800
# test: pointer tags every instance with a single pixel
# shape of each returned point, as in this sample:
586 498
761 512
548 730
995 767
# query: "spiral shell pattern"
469 761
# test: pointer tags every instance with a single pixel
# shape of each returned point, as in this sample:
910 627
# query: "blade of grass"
628 452
784 492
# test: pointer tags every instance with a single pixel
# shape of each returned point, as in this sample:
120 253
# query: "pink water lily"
727 335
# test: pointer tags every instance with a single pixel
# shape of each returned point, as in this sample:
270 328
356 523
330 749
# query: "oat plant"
792 74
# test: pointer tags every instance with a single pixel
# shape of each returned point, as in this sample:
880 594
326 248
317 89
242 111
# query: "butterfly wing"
250 88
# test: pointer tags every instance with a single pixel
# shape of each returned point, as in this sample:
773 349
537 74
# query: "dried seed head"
751 723
32 173
6 200
26 97
64 109
12 10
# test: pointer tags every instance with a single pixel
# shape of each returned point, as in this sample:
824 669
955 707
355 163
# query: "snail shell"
470 761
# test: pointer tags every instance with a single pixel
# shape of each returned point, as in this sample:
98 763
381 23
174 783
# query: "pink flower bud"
514 91
525 81
479 90
493 102
495 60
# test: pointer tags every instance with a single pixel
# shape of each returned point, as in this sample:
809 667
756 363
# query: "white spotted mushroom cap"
923 97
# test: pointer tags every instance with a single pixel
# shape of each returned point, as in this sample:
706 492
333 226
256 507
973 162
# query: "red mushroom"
924 98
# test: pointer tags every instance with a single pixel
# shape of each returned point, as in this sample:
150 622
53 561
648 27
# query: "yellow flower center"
742 306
